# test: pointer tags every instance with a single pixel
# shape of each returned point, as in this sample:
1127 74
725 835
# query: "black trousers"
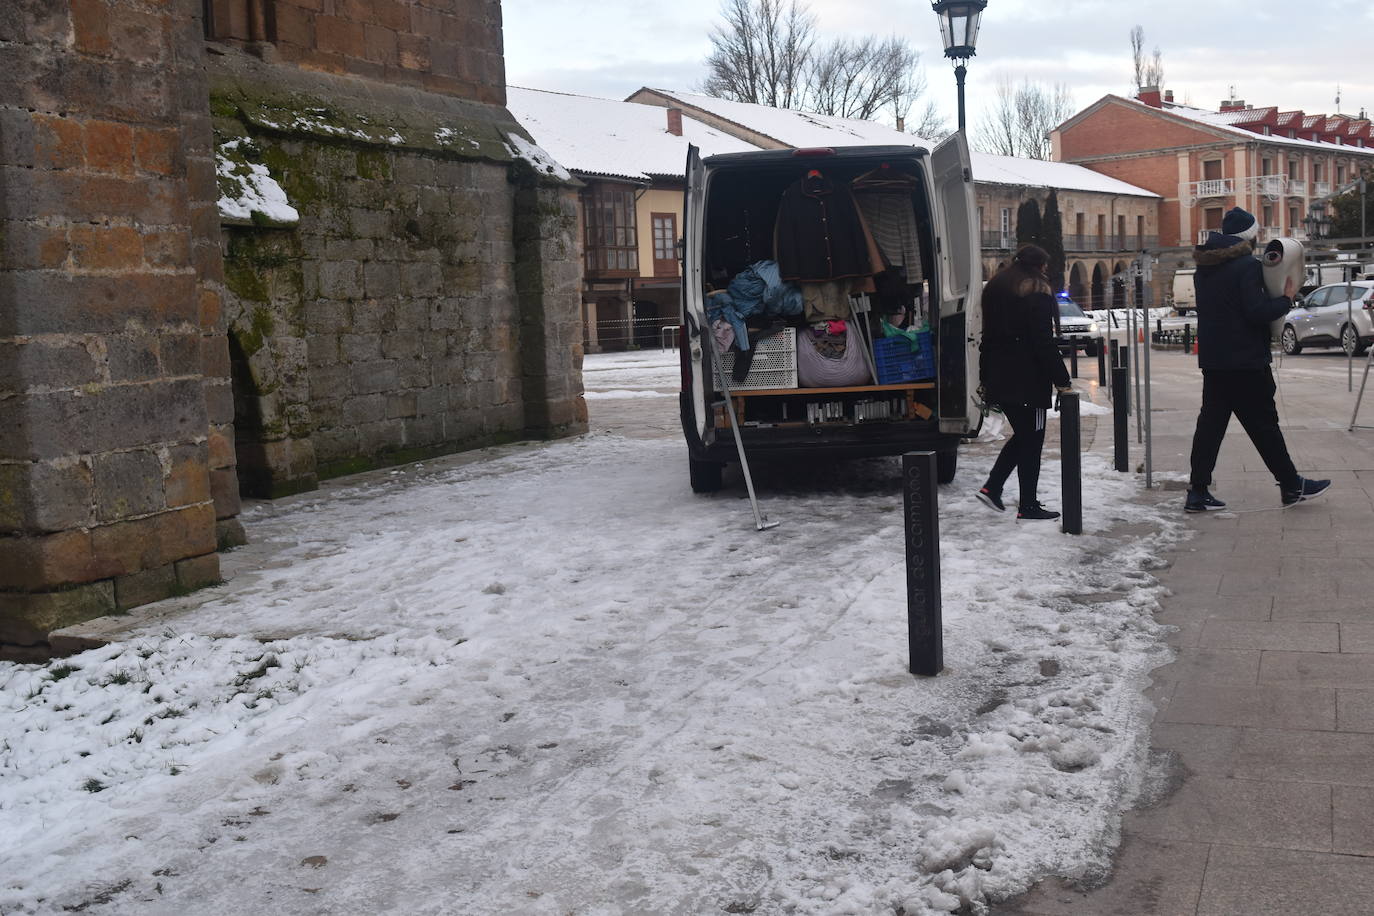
1021 451
1249 394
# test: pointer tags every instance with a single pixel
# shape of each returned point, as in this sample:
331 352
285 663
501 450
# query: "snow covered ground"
552 680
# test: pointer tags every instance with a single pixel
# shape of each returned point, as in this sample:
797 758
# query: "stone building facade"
415 292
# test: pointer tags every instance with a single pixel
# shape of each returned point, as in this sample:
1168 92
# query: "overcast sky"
1292 55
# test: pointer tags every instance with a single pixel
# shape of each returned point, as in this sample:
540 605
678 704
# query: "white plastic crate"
774 366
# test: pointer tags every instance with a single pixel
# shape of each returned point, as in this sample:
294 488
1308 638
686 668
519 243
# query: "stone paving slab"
1203 703
1266 715
1249 881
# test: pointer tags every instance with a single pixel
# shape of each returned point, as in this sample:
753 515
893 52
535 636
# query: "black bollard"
1071 464
1073 361
1121 392
1102 361
1187 338
923 613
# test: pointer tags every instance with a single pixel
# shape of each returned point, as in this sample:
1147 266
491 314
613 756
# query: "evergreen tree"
1345 212
1028 223
1052 239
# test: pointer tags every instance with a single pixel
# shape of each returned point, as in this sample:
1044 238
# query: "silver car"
1335 315
1077 329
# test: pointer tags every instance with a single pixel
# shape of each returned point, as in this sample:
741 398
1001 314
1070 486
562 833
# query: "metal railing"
1321 189
639 333
1297 187
1110 242
996 239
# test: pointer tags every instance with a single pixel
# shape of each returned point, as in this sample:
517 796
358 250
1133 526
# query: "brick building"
1276 164
313 243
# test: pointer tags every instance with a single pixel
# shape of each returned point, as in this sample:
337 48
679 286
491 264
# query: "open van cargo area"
812 302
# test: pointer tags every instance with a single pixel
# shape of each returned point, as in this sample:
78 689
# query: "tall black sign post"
1071 464
921 511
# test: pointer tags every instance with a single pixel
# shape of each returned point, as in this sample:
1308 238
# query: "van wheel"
1289 341
705 475
946 465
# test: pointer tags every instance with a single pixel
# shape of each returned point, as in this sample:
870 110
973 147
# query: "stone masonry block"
44 496
127 484
113 417
381 279
27 619
132 357
198 572
188 478
359 348
145 587
45 363
224 486
46 561
156 540
375 377
341 280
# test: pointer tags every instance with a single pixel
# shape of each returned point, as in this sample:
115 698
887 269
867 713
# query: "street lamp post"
959 29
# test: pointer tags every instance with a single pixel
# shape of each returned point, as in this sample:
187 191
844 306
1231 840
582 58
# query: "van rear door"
693 317
961 285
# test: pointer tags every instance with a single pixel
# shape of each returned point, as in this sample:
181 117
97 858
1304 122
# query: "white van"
731 222
1185 294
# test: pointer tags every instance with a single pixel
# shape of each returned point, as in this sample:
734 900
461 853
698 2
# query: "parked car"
1335 315
1077 330
1185 296
929 402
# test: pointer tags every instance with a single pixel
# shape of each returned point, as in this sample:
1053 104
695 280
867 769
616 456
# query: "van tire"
946 466
705 475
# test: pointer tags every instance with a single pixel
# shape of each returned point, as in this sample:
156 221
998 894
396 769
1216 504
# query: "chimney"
1169 95
1150 96
901 124
675 121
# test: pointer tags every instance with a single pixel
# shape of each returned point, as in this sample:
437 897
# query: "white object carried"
1282 259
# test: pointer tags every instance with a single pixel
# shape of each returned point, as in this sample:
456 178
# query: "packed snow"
547 678
247 188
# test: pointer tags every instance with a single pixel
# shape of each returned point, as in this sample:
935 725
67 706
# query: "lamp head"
959 26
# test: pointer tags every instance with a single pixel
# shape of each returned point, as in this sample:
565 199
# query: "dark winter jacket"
820 235
1020 361
1233 308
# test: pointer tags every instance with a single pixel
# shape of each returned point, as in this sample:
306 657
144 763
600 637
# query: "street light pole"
959 21
959 72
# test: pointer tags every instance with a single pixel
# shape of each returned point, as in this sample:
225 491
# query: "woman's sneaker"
1036 511
990 499
1199 500
1306 489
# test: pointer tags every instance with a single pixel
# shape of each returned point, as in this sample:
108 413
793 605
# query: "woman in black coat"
1020 364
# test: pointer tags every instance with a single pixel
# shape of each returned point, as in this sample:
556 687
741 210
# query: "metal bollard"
925 636
1071 464
1121 393
1187 338
1102 362
1073 361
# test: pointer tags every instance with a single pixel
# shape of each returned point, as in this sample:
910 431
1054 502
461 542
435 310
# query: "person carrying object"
1020 363
1234 311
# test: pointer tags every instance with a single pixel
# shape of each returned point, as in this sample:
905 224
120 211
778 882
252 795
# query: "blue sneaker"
1200 500
1306 489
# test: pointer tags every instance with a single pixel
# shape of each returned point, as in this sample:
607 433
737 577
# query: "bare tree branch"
765 51
1019 122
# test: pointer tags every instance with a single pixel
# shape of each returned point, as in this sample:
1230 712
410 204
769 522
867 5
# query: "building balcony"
1080 243
1270 186
1191 191
1297 187
998 240
1321 189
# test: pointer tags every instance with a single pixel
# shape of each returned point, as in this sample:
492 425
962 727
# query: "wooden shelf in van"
900 386
914 407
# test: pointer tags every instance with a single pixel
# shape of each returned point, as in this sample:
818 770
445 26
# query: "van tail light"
814 151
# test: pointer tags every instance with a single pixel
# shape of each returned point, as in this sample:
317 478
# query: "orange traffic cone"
1140 335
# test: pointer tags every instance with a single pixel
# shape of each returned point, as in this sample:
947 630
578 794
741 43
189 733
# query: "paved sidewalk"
1263 738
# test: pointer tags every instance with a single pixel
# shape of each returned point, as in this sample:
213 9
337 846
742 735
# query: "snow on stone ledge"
248 192
542 162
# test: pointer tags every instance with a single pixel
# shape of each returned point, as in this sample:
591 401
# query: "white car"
1077 331
1335 315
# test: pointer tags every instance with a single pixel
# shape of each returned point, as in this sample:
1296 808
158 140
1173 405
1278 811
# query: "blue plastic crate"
897 362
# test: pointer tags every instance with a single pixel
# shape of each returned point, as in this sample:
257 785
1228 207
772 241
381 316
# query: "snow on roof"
606 137
803 129
1223 121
